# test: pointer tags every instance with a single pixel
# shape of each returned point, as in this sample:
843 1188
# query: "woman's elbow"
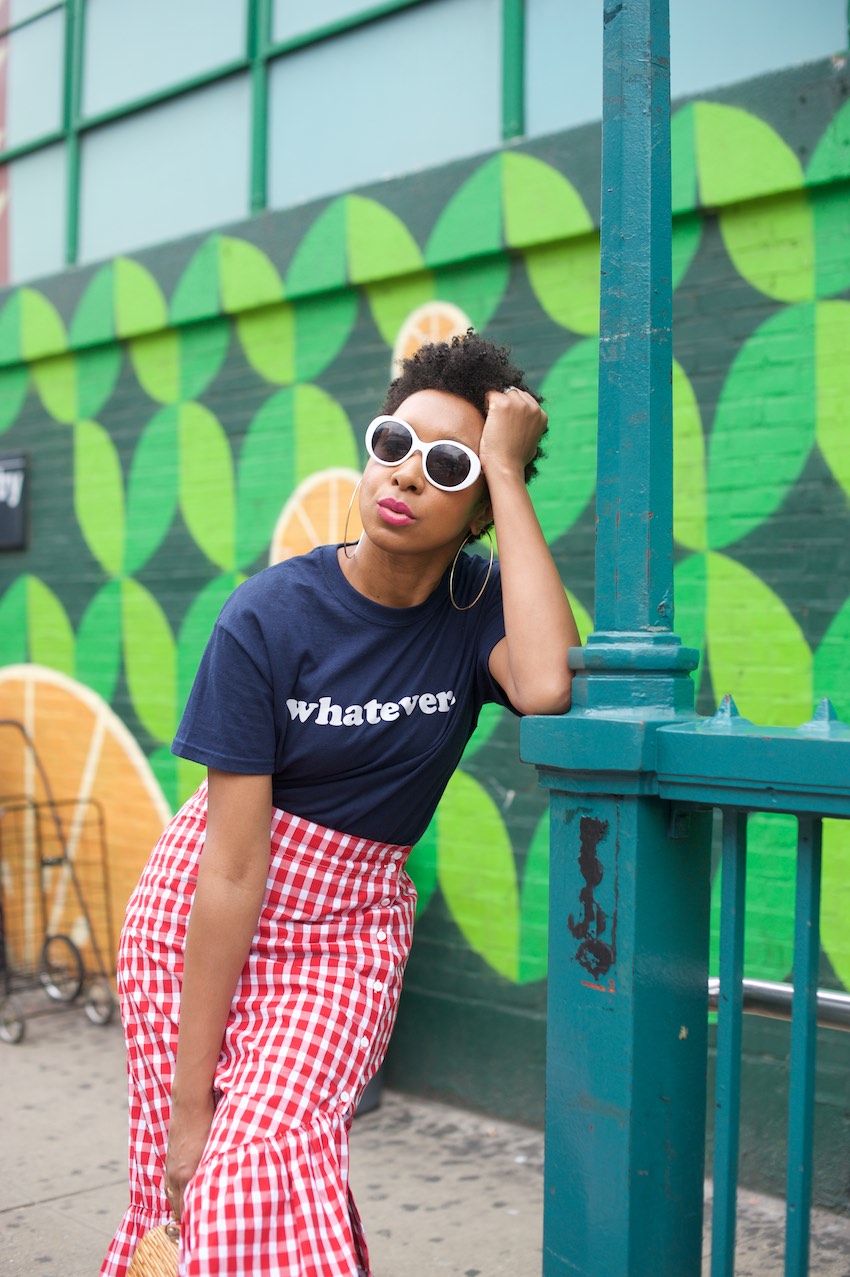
553 698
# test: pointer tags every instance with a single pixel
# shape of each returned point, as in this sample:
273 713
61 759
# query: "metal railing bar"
801 1088
727 1092
772 1000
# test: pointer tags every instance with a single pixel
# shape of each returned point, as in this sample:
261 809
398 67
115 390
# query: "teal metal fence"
741 768
625 1140
633 776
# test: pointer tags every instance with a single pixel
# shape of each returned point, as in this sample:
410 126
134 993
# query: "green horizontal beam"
33 17
29 148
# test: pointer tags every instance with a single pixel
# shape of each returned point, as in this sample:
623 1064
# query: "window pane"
34 78
770 35
20 10
294 17
177 168
37 214
364 106
563 66
133 49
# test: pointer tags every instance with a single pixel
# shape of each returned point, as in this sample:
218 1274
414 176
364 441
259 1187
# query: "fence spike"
824 718
727 715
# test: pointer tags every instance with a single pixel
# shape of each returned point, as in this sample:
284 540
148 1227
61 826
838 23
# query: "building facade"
219 231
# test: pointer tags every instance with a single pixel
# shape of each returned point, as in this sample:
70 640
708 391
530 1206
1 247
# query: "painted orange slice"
315 514
70 864
434 321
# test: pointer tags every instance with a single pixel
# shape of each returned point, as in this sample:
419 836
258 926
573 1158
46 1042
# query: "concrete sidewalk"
441 1190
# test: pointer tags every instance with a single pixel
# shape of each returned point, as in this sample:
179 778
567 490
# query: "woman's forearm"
530 662
221 927
539 623
228 898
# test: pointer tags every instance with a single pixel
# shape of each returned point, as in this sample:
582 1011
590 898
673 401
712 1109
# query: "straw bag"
156 1253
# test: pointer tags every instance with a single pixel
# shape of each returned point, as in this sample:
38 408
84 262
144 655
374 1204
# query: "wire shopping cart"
55 917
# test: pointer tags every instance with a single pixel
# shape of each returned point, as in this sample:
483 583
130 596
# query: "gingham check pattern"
309 1026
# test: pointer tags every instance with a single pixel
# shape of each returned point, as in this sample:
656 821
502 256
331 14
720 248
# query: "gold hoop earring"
456 606
347 517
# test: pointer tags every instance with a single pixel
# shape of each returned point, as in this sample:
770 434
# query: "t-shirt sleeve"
229 722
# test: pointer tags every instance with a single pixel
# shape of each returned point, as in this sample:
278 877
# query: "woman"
273 920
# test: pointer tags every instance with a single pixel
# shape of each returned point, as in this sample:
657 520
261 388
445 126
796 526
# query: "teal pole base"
627 1038
628 970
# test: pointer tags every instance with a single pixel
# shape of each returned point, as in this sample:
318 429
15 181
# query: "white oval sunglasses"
448 465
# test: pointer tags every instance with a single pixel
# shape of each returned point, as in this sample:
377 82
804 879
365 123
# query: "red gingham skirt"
308 1027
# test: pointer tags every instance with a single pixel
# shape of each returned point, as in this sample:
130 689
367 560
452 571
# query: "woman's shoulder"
274 591
293 573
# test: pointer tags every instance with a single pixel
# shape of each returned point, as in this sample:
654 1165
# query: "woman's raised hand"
513 428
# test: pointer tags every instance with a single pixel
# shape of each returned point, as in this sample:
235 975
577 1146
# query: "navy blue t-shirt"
359 712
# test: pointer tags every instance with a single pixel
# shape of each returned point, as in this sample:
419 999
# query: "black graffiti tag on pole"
594 953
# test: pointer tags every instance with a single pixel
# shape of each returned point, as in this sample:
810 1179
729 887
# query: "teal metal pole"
635 459
630 878
634 549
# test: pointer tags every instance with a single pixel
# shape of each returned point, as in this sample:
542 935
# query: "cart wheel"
100 1004
11 1021
61 971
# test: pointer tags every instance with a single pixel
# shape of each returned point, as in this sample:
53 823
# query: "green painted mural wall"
173 404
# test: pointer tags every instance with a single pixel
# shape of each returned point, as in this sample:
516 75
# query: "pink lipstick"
395 512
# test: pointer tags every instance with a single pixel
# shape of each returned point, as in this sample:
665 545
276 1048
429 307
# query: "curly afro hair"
468 367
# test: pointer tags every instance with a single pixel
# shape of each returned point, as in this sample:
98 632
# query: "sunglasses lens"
391 442
447 465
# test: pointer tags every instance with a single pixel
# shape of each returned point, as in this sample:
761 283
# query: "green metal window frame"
56 135
260 51
513 47
50 6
